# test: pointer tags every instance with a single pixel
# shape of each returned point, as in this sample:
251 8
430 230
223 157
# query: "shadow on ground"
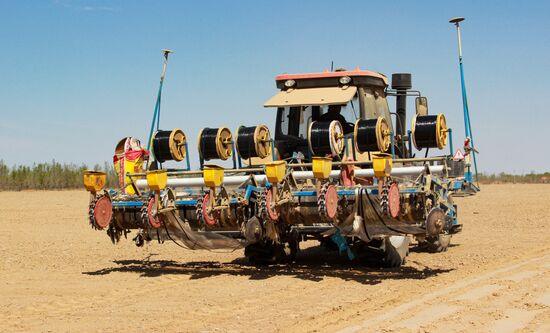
311 264
417 249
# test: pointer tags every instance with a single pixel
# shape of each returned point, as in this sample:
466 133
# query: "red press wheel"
209 219
272 212
155 221
103 211
331 198
394 199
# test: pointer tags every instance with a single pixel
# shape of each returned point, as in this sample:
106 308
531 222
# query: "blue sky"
76 76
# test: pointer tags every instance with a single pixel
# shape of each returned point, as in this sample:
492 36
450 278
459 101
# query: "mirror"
421 106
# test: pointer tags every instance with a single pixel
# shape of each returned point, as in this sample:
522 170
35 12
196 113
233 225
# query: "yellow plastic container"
382 164
157 179
213 175
275 171
322 166
94 181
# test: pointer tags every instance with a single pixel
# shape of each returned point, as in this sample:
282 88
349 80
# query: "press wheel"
155 220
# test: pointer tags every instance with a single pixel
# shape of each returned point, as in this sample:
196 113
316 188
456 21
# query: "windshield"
294 121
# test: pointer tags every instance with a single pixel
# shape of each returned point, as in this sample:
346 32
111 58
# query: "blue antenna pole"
156 113
467 124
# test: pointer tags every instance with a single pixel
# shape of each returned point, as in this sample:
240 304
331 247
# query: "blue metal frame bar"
128 204
251 189
467 123
187 157
156 117
234 156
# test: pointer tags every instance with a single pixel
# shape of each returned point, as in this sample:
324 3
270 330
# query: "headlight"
345 80
290 83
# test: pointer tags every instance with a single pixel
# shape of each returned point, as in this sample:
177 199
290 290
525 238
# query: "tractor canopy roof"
324 88
331 79
312 96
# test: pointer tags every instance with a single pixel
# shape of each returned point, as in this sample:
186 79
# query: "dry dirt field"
59 275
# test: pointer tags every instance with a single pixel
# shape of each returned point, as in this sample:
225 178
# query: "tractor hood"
312 96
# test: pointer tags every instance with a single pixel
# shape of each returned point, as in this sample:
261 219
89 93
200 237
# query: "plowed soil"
59 275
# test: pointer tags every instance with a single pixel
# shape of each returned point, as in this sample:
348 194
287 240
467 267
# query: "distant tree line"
502 178
48 176
57 176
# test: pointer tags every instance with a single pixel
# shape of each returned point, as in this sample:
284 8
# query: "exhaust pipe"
401 82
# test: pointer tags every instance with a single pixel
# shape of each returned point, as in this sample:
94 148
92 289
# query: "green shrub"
503 178
48 176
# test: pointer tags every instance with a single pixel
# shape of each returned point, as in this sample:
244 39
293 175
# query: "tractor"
340 168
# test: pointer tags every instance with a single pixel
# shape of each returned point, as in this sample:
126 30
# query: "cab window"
376 105
294 121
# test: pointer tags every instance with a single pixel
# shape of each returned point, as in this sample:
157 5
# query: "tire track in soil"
510 308
462 287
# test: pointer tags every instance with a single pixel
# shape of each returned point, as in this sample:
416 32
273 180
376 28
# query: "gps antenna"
467 125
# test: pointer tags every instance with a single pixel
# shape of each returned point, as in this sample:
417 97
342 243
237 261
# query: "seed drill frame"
309 181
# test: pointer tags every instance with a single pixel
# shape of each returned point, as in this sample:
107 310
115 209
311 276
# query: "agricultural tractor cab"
341 168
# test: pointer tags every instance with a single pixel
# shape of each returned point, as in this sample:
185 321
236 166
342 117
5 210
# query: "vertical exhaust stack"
401 82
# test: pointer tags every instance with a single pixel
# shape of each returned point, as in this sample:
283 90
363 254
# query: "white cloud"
82 5
98 8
